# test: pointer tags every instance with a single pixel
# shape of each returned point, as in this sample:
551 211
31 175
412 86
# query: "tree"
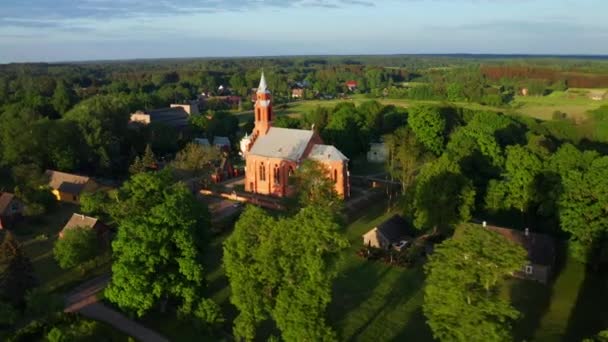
406 156
283 269
8 314
162 226
16 271
315 187
444 196
63 97
461 299
94 203
583 208
196 160
77 245
429 126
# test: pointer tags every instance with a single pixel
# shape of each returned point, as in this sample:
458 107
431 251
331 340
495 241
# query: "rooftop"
326 152
284 143
395 228
540 247
79 220
66 182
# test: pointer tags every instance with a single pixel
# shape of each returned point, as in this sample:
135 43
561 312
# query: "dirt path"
84 301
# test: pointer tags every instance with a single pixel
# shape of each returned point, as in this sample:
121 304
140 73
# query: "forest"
459 147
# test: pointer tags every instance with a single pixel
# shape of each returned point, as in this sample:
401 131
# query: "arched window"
258 113
336 175
277 175
262 172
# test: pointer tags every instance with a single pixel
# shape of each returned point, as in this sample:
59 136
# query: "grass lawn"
572 307
38 237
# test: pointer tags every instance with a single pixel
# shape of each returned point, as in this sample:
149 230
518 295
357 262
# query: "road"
83 300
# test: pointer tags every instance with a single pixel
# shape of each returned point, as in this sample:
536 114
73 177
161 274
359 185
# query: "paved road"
84 300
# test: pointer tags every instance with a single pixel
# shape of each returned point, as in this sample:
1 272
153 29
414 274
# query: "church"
272 154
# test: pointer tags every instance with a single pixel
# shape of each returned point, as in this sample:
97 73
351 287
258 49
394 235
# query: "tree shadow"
590 313
533 299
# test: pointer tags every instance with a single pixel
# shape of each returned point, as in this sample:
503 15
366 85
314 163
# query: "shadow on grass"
533 299
590 313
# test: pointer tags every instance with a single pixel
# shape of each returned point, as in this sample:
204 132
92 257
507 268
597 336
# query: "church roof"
284 143
326 152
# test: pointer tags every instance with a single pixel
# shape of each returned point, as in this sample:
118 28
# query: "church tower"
263 109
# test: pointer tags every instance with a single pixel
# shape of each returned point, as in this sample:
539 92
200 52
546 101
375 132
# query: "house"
82 221
378 153
11 210
297 91
68 187
391 231
202 141
540 248
176 116
272 154
351 85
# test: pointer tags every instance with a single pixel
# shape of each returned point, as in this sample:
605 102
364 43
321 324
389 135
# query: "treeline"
572 79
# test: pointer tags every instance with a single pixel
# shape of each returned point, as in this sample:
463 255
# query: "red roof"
351 83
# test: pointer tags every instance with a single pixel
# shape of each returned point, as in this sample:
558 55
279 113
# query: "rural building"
378 152
68 187
540 248
202 141
390 231
176 116
351 85
11 210
82 221
297 92
272 154
223 143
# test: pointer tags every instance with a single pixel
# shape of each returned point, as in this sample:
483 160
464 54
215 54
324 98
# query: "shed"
388 232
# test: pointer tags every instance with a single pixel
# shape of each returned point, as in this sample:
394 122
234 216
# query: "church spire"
263 87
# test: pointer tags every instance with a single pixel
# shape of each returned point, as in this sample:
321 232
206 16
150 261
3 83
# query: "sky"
75 30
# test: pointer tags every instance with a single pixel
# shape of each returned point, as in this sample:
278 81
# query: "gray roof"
202 141
540 247
284 143
66 181
221 141
396 228
174 117
326 152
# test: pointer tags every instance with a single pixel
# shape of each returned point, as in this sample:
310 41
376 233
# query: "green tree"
315 187
282 272
8 314
196 160
16 271
429 126
406 156
162 226
464 274
583 208
444 196
76 246
94 203
63 97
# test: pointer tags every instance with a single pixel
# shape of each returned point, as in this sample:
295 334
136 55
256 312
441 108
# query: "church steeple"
263 109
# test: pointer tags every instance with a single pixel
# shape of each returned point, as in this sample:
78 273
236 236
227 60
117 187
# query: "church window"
277 175
336 175
262 172
258 113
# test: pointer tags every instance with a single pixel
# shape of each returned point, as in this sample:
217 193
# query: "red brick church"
272 154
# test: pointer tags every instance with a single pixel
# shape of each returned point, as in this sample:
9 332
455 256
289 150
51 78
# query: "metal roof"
326 152
284 143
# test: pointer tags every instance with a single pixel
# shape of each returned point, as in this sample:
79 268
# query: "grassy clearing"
38 237
574 102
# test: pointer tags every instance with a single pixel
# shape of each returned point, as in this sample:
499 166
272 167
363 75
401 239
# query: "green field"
574 102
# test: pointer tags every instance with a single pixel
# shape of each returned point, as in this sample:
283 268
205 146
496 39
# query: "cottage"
82 221
351 85
11 210
541 252
297 92
378 153
390 232
68 187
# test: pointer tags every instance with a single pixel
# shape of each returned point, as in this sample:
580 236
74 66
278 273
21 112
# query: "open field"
573 102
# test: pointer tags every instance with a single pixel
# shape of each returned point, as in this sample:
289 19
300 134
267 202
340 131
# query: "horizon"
103 30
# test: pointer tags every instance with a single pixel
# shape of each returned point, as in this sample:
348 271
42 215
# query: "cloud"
45 13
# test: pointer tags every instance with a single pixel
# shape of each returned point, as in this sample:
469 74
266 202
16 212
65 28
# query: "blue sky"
68 30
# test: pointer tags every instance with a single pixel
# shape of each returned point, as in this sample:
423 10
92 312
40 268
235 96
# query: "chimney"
527 232
484 224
